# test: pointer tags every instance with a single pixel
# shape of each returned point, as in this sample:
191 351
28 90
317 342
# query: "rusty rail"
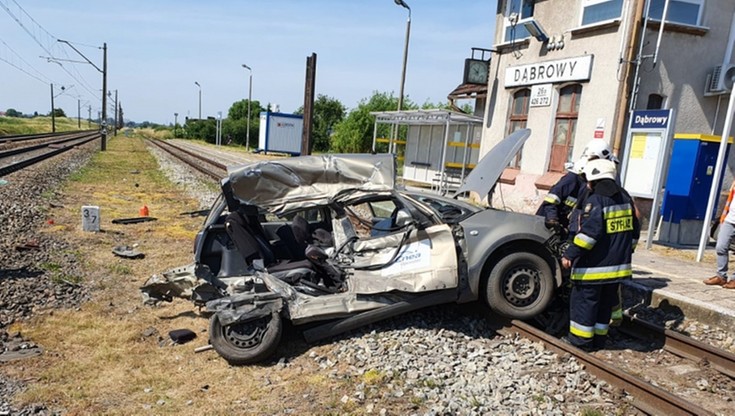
646 397
167 147
13 167
681 345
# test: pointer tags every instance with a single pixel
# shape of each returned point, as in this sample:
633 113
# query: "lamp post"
200 98
103 71
176 123
250 98
405 51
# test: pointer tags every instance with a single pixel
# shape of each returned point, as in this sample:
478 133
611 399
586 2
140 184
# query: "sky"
158 49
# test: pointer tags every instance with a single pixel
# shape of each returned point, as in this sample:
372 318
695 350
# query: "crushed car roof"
286 184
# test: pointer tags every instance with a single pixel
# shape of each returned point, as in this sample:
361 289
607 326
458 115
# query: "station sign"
562 70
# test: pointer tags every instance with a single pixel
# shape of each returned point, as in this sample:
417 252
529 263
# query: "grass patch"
56 275
374 377
40 124
101 358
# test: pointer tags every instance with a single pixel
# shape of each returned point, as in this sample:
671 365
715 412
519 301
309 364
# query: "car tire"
520 286
246 342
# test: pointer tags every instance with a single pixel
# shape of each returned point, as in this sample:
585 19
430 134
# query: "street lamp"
250 98
405 51
200 99
176 122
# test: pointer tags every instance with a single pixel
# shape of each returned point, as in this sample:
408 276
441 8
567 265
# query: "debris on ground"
14 347
29 245
127 252
182 336
133 220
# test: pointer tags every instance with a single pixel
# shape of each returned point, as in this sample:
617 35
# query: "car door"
397 248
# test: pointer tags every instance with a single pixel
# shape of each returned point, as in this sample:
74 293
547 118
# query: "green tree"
328 112
12 112
58 112
234 127
354 134
201 129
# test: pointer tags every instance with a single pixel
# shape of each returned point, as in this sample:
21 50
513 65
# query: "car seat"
253 246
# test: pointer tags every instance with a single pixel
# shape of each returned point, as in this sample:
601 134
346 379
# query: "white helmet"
579 165
597 148
598 169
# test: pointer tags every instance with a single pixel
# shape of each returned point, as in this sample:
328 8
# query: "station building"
572 70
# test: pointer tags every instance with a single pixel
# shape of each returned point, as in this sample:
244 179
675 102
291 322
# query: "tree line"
334 130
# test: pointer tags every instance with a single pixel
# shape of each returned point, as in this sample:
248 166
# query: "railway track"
12 138
647 397
17 158
208 167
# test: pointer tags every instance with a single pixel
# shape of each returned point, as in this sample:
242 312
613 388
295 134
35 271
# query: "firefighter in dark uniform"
596 149
562 198
600 256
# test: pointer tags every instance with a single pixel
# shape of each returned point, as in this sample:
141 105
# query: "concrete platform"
675 278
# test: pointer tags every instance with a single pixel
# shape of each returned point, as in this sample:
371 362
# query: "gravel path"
37 272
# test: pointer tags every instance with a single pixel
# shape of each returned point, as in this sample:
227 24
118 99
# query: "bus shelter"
440 147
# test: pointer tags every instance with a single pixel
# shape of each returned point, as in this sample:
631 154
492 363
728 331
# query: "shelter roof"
425 117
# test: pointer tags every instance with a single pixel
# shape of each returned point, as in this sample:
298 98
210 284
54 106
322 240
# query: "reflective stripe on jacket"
601 250
562 197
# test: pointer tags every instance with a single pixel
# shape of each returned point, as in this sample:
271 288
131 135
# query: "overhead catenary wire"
51 42
38 74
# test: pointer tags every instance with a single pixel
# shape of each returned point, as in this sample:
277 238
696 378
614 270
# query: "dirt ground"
113 355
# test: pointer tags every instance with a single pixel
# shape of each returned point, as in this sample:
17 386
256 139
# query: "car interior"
300 248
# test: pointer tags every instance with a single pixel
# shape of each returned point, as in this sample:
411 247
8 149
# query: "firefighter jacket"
562 197
609 230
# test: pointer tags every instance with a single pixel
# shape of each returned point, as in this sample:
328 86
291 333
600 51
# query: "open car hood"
286 184
487 172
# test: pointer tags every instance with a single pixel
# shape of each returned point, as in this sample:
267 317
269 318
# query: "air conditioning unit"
720 81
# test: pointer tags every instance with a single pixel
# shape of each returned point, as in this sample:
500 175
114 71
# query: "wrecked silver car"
330 242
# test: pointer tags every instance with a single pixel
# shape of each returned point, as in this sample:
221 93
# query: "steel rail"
4 170
163 145
681 345
9 138
646 397
20 150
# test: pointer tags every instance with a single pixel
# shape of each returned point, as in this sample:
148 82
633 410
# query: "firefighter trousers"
590 309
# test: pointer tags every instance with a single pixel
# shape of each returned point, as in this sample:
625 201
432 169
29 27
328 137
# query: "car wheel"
246 342
520 286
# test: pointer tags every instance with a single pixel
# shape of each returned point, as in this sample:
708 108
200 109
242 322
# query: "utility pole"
53 113
116 113
306 139
89 116
103 126
79 113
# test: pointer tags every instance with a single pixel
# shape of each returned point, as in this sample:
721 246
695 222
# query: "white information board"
645 149
90 218
645 156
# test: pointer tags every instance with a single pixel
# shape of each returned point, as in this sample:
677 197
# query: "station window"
518 119
565 126
655 102
595 11
516 12
687 12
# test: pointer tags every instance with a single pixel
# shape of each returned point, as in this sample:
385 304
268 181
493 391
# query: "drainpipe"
623 96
